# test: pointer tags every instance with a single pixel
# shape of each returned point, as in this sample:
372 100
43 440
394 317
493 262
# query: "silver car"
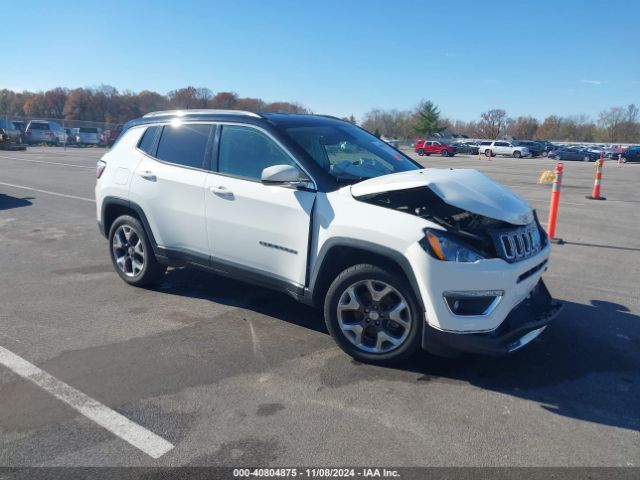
88 136
44 131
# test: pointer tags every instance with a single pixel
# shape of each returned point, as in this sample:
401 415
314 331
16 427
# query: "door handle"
148 176
221 190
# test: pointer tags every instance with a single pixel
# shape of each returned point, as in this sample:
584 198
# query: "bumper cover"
523 324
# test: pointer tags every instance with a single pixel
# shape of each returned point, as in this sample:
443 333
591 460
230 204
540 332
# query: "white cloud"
591 82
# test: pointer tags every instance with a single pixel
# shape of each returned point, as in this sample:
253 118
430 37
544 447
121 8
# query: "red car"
428 147
112 135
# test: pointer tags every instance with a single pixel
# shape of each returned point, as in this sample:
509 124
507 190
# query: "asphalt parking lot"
231 374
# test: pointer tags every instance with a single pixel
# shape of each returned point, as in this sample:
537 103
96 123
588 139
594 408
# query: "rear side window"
148 139
39 126
245 152
184 144
88 130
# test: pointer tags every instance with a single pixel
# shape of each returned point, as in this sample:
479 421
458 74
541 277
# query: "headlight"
445 248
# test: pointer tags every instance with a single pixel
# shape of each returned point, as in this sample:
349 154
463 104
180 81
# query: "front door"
259 228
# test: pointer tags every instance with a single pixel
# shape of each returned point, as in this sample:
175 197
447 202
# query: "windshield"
348 152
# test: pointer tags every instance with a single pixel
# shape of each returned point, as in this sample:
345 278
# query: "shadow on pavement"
585 366
8 202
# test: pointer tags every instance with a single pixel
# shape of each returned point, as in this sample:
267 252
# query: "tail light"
100 166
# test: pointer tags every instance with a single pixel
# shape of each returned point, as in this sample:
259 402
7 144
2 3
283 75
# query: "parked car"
429 147
631 154
398 257
72 136
535 148
466 148
88 136
501 147
112 135
546 147
43 131
569 153
14 129
4 136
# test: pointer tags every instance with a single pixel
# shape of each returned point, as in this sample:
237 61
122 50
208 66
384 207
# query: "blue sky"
340 57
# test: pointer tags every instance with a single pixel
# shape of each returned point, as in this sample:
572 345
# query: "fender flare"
108 201
374 248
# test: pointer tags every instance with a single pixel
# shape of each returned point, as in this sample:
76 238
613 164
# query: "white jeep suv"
501 147
398 256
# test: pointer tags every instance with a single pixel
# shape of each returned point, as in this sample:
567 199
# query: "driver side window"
245 152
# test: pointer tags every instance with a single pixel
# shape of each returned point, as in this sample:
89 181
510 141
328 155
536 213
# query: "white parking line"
42 161
130 432
47 192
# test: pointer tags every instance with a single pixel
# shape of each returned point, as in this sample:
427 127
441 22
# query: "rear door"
502 148
168 184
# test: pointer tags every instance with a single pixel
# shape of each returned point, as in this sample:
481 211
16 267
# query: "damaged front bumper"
521 326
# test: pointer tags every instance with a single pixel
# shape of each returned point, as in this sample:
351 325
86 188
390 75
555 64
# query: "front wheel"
373 315
421 151
586 158
488 153
517 154
444 153
545 154
132 254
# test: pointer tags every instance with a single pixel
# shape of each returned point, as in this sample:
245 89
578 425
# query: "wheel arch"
114 207
338 254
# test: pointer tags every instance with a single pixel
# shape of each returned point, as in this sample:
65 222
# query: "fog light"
473 302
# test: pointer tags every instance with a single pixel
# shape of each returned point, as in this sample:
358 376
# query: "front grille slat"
518 244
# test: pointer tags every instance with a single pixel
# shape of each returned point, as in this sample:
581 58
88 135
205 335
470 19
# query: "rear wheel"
373 315
132 254
488 153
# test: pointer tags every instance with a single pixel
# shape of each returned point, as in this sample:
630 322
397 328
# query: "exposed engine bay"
473 228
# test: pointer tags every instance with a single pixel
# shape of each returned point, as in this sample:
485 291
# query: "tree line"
107 104
617 124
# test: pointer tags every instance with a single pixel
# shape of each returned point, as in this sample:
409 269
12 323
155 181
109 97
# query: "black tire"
444 153
488 153
151 272
421 151
359 273
517 154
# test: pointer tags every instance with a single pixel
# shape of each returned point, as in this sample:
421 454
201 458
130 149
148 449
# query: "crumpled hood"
463 188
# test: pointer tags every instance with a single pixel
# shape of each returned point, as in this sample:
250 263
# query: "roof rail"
180 113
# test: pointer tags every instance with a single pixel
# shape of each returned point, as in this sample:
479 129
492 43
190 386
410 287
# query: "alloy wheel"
128 251
374 316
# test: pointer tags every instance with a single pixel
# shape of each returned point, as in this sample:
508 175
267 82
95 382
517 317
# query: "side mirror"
284 175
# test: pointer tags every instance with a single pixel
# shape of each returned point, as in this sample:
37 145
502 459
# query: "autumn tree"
224 100
523 127
183 98
613 123
492 123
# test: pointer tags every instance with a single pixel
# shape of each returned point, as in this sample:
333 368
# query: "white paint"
131 432
48 163
47 192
